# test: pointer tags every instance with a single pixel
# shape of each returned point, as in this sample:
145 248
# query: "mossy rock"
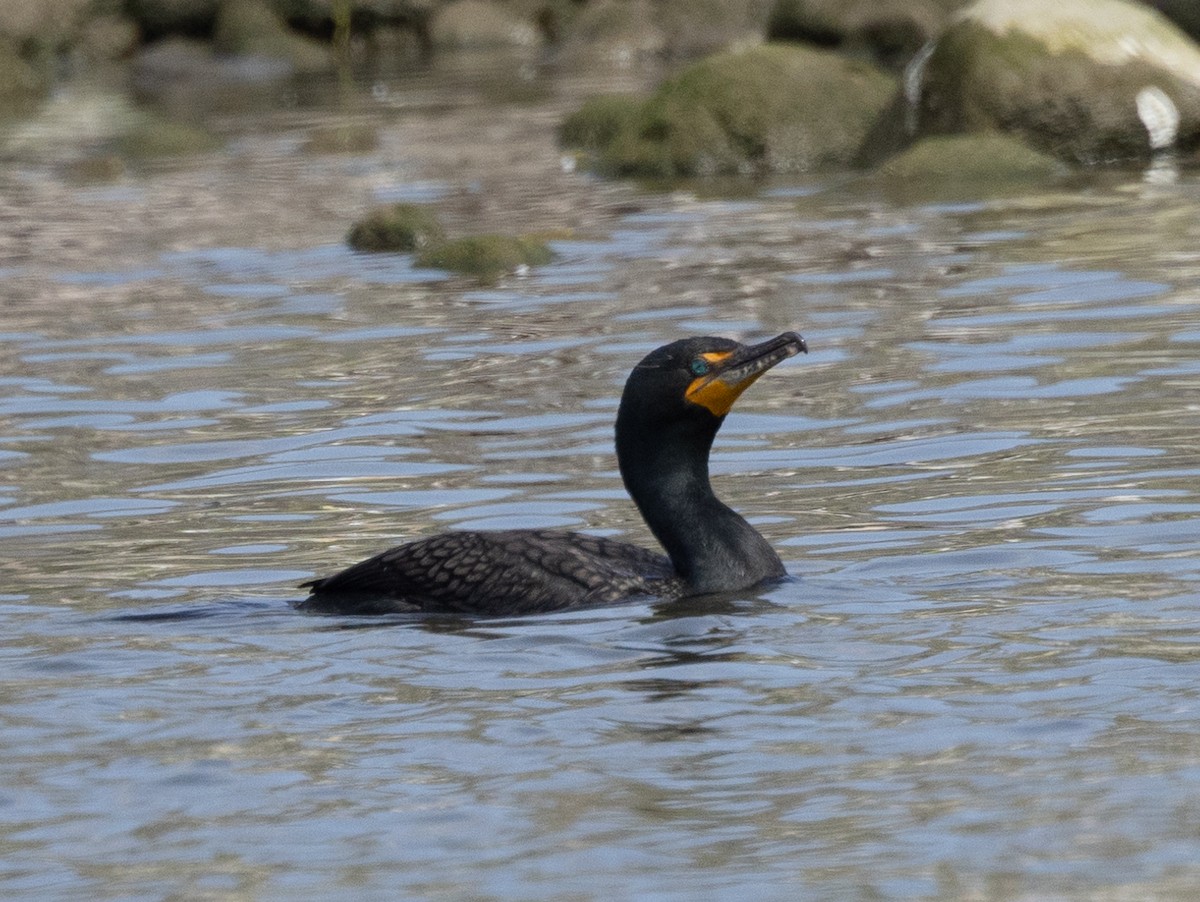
600 120
1089 81
486 256
153 137
772 108
343 137
970 158
397 228
956 168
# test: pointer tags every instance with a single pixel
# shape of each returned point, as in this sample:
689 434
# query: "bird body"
673 404
498 572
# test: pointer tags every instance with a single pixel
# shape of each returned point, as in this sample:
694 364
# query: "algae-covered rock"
1089 81
343 137
396 228
977 159
956 168
772 108
252 28
152 137
600 120
486 256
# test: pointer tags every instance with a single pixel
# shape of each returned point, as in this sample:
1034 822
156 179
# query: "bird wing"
505 571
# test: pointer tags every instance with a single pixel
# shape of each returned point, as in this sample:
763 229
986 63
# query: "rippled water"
980 683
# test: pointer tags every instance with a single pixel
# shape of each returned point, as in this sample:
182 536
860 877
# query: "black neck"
712 547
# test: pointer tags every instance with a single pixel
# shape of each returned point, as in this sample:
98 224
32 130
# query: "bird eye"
699 366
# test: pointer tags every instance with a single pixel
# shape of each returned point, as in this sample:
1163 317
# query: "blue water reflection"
979 682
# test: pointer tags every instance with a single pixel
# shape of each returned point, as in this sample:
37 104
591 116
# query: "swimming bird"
674 402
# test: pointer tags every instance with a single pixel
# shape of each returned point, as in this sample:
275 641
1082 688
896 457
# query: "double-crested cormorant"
673 404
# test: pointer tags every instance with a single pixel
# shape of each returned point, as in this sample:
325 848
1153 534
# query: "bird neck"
711 546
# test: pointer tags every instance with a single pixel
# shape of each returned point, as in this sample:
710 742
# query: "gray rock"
252 28
21 86
48 22
476 23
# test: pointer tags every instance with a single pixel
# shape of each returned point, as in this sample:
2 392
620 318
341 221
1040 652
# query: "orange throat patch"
713 392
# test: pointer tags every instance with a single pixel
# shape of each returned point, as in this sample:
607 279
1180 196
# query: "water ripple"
979 681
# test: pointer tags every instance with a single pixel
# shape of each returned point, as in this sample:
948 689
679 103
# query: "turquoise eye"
699 366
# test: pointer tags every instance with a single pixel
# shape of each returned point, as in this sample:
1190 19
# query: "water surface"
981 681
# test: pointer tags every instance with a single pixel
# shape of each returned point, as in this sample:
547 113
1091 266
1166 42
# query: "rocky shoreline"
914 94
760 86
